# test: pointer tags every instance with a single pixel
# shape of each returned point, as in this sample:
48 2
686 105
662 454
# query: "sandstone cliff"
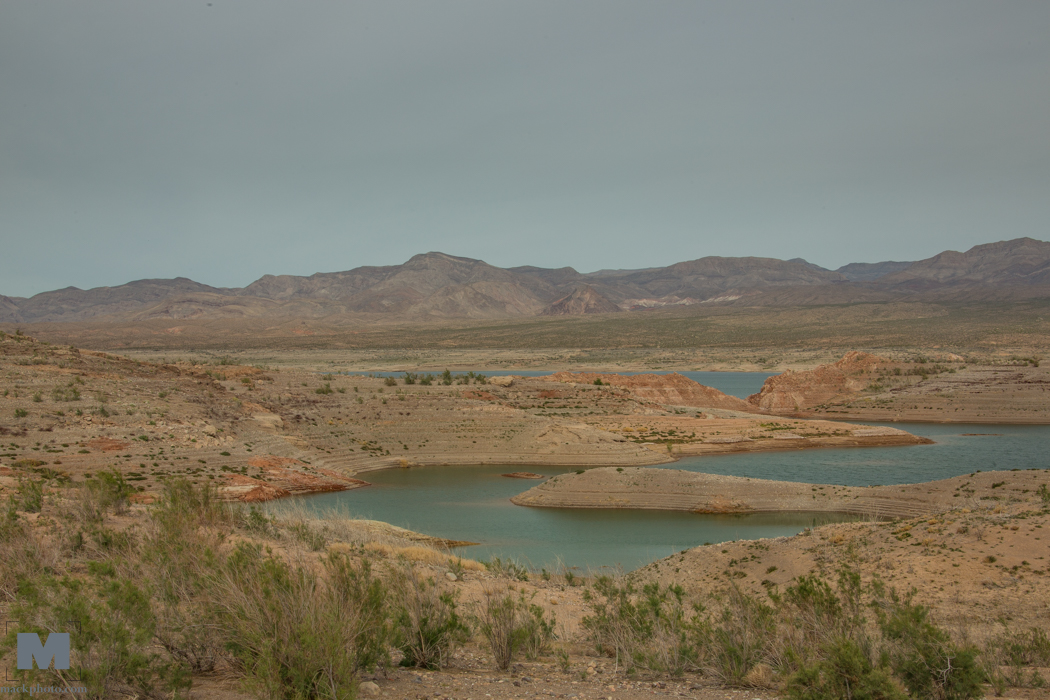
792 392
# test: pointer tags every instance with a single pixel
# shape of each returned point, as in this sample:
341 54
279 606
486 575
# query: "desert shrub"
815 619
498 623
65 393
257 522
307 536
426 625
845 671
390 381
508 568
180 550
646 631
1016 652
537 630
23 554
295 634
512 624
738 638
1029 647
924 657
107 490
326 389
31 495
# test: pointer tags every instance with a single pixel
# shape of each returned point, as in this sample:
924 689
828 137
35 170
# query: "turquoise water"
472 503
953 453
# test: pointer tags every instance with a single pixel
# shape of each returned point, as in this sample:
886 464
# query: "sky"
229 139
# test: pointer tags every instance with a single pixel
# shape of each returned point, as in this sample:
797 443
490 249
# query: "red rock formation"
792 392
671 389
283 476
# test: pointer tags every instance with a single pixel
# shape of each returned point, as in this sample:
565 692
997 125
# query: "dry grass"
417 553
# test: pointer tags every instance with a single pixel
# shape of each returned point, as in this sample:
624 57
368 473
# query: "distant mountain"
1022 261
435 285
867 272
9 312
77 304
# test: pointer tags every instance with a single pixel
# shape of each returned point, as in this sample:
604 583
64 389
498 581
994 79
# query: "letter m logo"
31 649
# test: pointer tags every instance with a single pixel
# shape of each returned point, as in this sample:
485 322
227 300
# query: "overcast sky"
225 140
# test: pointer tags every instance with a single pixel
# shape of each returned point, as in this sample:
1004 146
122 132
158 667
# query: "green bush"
923 656
297 635
427 626
647 631
510 625
739 638
31 494
844 672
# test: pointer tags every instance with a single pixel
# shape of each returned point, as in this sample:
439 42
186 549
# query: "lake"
472 502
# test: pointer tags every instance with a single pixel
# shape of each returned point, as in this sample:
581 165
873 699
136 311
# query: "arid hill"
435 286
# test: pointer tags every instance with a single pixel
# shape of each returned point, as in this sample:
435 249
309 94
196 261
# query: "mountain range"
435 285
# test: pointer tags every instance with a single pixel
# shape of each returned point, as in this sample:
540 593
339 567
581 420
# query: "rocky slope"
792 392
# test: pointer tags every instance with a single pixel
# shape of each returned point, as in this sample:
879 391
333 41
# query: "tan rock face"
673 389
799 391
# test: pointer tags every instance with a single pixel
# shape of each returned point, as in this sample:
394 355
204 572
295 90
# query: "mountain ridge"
437 285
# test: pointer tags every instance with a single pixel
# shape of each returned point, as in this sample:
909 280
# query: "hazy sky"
225 140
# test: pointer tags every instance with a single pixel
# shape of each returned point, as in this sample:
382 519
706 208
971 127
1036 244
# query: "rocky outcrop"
278 477
583 300
793 392
673 389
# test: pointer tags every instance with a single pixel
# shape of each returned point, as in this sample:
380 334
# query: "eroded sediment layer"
674 489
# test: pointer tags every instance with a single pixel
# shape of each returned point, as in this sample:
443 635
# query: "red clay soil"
673 389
